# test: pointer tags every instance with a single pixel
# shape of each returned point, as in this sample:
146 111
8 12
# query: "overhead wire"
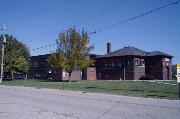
121 22
134 17
116 4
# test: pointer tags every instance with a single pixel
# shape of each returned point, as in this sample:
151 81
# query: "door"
167 73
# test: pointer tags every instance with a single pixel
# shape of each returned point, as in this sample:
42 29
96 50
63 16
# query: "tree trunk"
26 77
12 75
69 76
5 75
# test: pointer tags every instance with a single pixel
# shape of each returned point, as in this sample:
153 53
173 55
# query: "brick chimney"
108 47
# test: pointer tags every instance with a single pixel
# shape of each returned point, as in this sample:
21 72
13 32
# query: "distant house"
40 69
130 63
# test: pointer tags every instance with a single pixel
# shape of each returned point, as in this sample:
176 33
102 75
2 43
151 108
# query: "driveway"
31 103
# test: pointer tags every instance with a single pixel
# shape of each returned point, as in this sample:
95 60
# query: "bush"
146 77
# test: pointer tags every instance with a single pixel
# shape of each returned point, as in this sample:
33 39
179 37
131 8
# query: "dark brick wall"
139 69
111 68
156 66
167 69
109 74
40 67
57 75
106 71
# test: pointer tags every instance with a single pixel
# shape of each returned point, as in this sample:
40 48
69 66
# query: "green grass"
131 88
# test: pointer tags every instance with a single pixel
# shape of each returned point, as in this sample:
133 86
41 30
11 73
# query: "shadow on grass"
56 81
133 90
10 79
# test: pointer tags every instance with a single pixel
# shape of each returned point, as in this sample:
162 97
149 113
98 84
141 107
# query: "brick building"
39 66
159 65
130 63
40 69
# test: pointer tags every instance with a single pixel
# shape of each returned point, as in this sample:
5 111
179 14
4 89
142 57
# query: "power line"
45 46
134 17
115 5
122 22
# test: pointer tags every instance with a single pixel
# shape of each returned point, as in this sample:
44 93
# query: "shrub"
146 77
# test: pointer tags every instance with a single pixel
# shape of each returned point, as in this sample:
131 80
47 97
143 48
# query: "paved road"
30 103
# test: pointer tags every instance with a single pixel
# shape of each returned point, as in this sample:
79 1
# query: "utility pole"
124 69
2 54
124 78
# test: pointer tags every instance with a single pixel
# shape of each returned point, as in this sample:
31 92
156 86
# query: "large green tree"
72 52
16 57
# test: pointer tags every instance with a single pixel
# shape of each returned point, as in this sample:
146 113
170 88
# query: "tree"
16 57
72 52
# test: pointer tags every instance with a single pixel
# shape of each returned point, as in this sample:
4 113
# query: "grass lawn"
131 88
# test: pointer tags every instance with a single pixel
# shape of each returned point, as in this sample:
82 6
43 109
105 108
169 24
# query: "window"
143 63
42 63
128 62
35 64
106 65
38 75
140 63
112 65
167 63
119 65
136 62
99 75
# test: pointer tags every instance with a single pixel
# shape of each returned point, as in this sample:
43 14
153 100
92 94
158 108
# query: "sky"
37 23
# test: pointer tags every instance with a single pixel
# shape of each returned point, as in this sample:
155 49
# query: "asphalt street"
31 103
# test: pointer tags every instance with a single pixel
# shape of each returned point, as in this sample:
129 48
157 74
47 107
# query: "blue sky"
38 22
